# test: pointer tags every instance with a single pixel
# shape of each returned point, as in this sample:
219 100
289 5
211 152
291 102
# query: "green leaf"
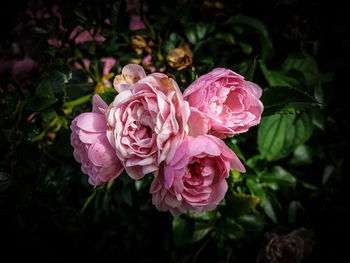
227 37
44 97
247 69
302 155
270 212
191 34
81 17
198 31
318 119
228 227
58 81
38 30
183 230
201 29
257 162
278 135
251 222
127 196
278 175
277 78
303 128
201 229
246 48
273 135
256 189
238 204
301 62
114 13
295 208
327 173
265 40
285 100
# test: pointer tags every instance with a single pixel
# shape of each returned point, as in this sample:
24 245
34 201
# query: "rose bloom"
148 120
91 146
194 180
230 103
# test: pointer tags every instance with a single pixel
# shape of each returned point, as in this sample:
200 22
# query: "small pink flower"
136 23
146 62
57 14
230 103
81 35
98 37
194 180
77 65
54 42
31 118
148 122
109 63
91 146
23 66
147 59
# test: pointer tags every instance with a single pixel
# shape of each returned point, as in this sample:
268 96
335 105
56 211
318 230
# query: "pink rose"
91 146
81 35
148 122
230 103
194 180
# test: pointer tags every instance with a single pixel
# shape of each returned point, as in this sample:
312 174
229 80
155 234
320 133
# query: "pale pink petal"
92 122
198 124
98 105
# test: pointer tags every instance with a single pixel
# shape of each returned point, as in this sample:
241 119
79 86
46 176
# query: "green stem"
73 103
87 202
42 134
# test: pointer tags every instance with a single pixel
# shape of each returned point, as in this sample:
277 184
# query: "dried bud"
180 58
289 248
141 44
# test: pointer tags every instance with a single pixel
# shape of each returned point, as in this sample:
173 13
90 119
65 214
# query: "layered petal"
91 146
194 180
230 103
148 120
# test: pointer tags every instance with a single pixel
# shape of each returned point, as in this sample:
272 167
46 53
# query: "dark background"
47 228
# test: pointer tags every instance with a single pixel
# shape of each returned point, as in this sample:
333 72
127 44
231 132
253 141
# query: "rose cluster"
152 128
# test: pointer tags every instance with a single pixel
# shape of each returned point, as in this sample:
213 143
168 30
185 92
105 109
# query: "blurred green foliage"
294 158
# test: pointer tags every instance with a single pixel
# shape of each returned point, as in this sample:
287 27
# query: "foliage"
294 158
